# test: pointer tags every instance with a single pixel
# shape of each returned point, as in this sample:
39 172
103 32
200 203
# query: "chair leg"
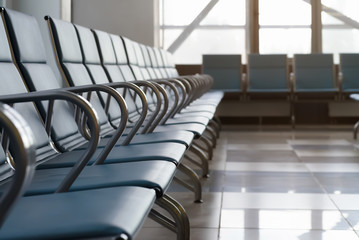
355 129
215 126
202 156
196 186
218 121
212 135
180 225
207 148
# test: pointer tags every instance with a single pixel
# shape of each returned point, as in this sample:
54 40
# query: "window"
340 21
191 28
217 27
284 26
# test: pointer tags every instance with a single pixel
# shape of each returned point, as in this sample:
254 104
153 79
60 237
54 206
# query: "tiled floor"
274 184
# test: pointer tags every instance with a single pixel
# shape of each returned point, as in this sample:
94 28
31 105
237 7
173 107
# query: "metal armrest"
144 111
124 113
84 105
17 131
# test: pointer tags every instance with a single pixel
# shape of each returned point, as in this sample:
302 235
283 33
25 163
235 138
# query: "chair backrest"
30 56
148 64
141 61
129 45
169 64
314 72
349 67
225 70
160 62
72 63
154 62
11 83
121 57
267 72
92 62
109 62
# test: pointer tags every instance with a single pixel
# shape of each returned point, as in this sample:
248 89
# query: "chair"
225 70
349 73
268 76
314 76
45 150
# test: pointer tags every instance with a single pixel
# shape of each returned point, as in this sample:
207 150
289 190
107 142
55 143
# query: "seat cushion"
195 128
171 152
84 214
149 174
184 119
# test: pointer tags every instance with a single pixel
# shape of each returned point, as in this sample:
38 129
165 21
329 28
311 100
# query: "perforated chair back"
267 73
349 67
225 70
314 73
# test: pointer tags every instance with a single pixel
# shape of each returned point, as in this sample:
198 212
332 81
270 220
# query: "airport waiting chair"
348 73
225 70
84 214
313 76
268 76
49 181
113 212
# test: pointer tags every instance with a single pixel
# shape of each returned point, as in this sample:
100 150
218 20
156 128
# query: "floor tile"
327 153
276 182
333 167
284 219
334 182
324 147
268 234
346 201
330 159
266 167
319 142
261 156
277 201
353 218
259 147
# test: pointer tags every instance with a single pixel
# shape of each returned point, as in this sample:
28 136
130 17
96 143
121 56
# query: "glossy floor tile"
274 183
270 234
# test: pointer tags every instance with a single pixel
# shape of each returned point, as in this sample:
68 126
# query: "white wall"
134 19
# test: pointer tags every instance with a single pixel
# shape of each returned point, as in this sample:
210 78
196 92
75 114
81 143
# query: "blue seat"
45 151
349 70
268 74
35 77
314 75
225 70
110 212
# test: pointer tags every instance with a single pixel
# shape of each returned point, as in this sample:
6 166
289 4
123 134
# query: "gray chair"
268 75
349 73
226 70
51 180
314 76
